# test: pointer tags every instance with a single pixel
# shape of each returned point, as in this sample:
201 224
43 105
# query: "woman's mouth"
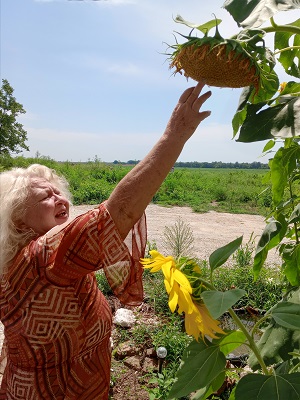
62 214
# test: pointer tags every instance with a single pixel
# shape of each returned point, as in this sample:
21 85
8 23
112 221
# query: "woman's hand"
187 116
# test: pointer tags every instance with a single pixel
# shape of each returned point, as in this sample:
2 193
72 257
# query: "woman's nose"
60 199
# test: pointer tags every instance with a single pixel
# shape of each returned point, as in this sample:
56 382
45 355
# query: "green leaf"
219 302
271 230
269 84
202 364
221 255
287 59
280 121
277 342
203 393
290 254
291 88
278 176
230 341
295 216
253 13
205 28
282 165
287 314
269 145
268 387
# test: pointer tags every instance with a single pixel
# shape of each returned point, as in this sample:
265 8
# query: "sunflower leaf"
221 255
219 302
202 364
205 28
265 387
253 13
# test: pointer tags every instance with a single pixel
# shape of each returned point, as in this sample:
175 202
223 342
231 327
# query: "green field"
226 190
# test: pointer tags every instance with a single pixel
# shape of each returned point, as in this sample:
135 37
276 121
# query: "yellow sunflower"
198 321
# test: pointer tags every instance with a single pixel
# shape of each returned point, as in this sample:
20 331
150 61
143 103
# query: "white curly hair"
14 192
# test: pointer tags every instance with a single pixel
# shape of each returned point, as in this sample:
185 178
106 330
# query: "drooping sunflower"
198 321
234 63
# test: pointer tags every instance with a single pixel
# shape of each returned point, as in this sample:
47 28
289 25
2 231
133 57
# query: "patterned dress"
57 322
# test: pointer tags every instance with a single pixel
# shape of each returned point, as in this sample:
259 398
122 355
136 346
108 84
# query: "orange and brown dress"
57 322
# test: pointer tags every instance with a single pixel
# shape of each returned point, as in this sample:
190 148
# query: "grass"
224 190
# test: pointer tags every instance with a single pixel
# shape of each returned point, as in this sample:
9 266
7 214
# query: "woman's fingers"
191 96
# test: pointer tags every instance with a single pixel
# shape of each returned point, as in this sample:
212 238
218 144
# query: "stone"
133 363
125 349
124 318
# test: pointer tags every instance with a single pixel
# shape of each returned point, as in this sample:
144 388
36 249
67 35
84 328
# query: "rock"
133 363
151 352
124 318
125 349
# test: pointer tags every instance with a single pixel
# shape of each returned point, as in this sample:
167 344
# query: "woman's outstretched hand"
187 115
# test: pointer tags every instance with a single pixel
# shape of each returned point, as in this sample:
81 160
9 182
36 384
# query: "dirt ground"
211 230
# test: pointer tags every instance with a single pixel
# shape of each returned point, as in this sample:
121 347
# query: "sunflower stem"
286 49
282 28
250 339
242 327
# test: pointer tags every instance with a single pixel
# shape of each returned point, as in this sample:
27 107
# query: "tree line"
204 164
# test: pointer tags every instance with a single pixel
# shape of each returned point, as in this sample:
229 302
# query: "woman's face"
45 207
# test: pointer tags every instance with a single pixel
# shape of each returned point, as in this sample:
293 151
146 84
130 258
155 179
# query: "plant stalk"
251 341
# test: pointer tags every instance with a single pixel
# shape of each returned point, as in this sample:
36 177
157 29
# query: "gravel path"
211 230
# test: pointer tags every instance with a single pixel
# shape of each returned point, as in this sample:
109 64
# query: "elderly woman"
57 322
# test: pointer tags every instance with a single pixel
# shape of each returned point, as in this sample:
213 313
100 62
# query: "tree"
12 134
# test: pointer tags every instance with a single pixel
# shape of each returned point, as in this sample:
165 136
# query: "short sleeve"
92 242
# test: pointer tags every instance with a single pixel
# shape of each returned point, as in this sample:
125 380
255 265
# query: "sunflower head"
219 64
240 61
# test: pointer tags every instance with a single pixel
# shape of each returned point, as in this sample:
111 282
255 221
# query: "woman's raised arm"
132 195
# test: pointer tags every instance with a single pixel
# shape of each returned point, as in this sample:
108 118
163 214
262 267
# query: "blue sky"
94 81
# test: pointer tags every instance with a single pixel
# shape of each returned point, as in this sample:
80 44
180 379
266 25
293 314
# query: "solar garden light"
161 355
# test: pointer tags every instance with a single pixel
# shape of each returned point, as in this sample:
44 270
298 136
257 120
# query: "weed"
103 284
178 239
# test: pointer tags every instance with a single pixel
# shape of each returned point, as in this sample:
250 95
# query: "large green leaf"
295 216
221 255
230 341
277 342
279 176
253 13
280 121
290 254
202 364
282 166
284 40
204 28
203 393
219 302
265 243
268 387
287 314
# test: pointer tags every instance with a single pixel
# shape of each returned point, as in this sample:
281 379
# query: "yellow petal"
173 299
191 327
185 301
167 286
182 280
166 269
